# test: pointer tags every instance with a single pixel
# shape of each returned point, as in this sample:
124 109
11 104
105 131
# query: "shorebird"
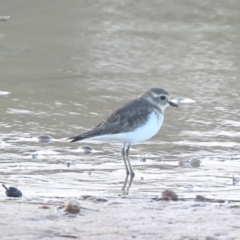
136 121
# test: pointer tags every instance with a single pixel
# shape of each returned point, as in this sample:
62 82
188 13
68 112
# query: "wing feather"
124 119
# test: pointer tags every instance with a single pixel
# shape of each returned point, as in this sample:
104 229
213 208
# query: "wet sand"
121 219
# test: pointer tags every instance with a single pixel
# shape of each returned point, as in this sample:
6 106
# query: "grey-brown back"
124 119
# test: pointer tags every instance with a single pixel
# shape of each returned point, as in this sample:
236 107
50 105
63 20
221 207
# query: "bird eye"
163 97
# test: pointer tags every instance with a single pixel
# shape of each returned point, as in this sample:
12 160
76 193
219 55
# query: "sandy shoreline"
121 219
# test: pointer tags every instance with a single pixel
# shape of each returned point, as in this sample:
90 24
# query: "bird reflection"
127 183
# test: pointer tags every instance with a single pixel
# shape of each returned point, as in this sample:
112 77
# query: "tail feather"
92 133
76 138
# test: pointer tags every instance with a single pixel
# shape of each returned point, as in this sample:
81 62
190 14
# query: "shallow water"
65 67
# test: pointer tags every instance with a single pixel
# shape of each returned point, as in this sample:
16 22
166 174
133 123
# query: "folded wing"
124 119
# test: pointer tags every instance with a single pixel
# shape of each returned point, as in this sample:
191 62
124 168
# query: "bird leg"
125 191
129 163
125 183
124 158
130 182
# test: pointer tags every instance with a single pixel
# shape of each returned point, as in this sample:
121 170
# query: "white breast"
144 132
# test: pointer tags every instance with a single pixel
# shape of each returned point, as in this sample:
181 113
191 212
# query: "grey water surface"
66 65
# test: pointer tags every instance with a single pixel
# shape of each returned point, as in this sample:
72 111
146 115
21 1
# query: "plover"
136 121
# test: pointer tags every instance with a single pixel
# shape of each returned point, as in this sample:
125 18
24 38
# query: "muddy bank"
121 219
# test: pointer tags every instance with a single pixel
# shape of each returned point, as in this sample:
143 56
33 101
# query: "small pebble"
86 196
44 139
71 163
200 198
44 207
93 199
86 149
35 156
195 163
12 191
97 200
235 181
184 163
72 206
169 194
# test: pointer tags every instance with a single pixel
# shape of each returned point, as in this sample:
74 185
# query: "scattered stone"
97 200
35 155
143 159
44 139
72 206
235 181
12 192
86 149
195 163
200 198
94 199
169 194
184 163
65 235
44 207
86 196
70 163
